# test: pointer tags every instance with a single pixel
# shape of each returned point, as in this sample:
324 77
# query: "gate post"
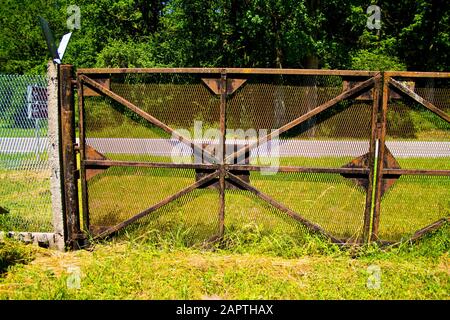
373 149
69 160
381 136
223 103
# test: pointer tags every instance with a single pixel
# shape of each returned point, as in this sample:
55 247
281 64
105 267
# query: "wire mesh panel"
138 139
192 218
245 211
418 138
331 138
181 102
333 202
413 203
25 200
119 193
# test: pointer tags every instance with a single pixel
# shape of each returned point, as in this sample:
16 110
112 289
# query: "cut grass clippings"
247 270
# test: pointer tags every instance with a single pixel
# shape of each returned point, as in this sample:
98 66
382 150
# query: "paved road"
23 145
164 147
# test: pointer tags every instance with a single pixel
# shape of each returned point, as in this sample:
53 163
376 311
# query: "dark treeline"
414 34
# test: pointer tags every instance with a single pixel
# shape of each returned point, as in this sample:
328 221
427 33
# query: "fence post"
82 148
223 101
56 181
381 128
368 213
69 161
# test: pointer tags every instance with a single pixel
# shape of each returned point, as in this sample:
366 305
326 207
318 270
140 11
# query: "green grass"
247 265
7 131
128 129
26 195
20 161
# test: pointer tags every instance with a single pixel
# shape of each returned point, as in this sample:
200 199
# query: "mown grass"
246 265
8 132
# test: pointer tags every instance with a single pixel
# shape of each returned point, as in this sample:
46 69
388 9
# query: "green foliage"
120 54
365 60
424 43
253 33
23 48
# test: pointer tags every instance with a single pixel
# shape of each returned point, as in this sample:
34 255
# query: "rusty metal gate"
356 156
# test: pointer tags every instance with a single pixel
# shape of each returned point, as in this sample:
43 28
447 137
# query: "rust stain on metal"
368 95
363 161
104 82
389 162
214 184
69 164
360 162
92 154
215 84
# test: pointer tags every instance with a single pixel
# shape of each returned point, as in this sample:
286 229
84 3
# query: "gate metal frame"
379 82
389 83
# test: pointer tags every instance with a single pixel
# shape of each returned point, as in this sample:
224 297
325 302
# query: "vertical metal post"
84 193
372 156
71 208
223 101
380 161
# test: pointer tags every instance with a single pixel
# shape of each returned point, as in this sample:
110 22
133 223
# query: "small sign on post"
37 102
37 108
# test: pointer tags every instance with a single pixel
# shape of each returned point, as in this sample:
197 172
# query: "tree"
235 33
23 48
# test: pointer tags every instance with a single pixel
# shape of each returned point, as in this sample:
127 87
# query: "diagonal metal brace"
408 92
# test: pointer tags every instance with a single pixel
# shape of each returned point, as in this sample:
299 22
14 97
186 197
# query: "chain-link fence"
25 199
